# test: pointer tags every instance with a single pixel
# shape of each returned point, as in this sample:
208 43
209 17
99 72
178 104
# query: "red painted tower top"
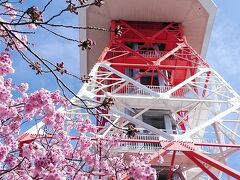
196 17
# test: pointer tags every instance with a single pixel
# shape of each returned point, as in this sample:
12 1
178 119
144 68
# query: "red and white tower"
161 83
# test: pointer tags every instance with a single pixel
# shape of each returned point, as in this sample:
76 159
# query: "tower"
156 74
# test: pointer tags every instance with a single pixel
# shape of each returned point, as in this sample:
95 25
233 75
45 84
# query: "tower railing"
144 53
153 147
152 53
140 147
131 89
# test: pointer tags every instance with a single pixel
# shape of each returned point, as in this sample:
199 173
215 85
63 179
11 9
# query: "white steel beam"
140 113
181 45
225 82
110 127
143 124
132 81
227 128
220 140
85 85
209 122
201 71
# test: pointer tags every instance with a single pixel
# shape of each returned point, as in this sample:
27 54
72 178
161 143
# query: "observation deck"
196 16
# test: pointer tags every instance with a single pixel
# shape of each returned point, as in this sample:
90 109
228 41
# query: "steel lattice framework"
202 105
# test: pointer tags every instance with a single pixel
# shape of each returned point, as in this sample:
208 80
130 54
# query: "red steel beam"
218 145
199 164
147 65
156 155
172 165
133 29
216 164
162 152
196 144
135 53
34 137
161 31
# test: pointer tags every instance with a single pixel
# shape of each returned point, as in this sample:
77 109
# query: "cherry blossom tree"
53 153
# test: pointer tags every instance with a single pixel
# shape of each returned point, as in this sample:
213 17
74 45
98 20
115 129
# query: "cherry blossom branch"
12 169
59 35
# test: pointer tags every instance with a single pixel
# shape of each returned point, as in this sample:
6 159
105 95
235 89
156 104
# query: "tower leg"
218 165
199 164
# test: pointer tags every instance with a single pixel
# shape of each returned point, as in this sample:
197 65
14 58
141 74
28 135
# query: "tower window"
155 121
161 46
160 119
148 79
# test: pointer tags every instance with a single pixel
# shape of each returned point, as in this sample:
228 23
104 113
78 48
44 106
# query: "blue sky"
52 48
223 53
224 49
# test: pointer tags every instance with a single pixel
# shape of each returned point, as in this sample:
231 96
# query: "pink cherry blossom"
32 26
5 64
67 146
9 9
3 152
23 87
53 153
